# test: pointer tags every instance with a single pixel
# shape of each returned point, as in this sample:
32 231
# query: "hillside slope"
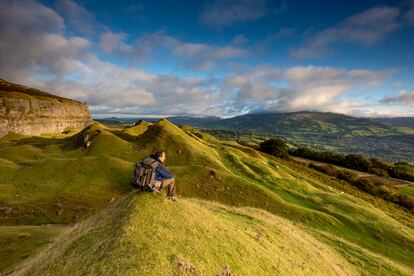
184 236
372 137
322 131
58 180
298 123
398 121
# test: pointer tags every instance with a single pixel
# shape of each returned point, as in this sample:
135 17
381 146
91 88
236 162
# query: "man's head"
160 155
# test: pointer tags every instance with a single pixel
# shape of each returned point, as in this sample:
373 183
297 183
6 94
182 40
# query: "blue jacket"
161 172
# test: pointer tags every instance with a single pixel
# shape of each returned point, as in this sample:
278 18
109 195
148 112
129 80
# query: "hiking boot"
172 198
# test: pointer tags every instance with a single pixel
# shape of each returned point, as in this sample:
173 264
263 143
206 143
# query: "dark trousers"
170 185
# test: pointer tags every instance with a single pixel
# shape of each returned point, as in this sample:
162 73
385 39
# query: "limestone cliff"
30 111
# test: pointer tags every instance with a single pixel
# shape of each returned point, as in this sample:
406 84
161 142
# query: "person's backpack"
144 174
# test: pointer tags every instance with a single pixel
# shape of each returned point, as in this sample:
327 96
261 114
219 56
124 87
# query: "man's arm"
164 172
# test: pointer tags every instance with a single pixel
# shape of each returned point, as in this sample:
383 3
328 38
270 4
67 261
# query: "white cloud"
365 28
239 40
283 32
28 17
108 88
409 16
192 55
298 88
35 42
77 17
381 111
369 78
110 42
39 52
403 97
224 13
317 97
409 13
204 57
237 81
312 75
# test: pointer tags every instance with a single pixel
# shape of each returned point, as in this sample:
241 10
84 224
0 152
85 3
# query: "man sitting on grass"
163 176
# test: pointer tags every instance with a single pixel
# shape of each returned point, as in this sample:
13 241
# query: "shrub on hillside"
346 175
332 157
304 152
407 201
356 161
327 156
276 147
326 169
316 167
403 170
378 171
381 164
373 185
377 188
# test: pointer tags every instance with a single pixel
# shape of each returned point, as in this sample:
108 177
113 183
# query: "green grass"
137 129
54 180
204 235
19 242
46 175
407 190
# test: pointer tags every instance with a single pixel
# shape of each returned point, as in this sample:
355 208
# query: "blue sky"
217 57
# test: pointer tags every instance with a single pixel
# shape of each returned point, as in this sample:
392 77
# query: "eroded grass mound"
146 234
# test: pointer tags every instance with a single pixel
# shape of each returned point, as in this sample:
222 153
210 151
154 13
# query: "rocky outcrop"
30 111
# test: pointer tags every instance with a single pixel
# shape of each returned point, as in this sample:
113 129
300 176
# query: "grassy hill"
190 235
319 130
255 213
299 123
373 137
399 121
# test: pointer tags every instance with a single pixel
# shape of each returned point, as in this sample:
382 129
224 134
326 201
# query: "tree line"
400 170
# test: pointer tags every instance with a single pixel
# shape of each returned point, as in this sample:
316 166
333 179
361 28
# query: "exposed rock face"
30 111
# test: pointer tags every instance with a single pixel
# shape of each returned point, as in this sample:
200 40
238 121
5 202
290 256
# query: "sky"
216 57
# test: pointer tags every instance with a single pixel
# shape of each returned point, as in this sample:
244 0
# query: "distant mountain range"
399 121
300 123
320 130
297 123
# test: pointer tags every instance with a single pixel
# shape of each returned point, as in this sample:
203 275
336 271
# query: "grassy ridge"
54 174
185 236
